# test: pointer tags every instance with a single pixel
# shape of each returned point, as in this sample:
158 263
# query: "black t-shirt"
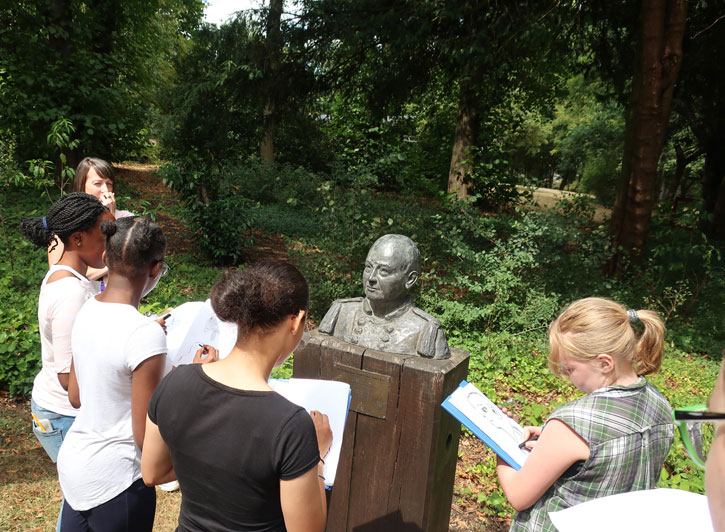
230 448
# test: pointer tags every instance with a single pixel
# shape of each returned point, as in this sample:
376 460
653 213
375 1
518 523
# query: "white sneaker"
170 486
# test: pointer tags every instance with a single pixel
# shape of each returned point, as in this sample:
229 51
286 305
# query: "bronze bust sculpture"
385 319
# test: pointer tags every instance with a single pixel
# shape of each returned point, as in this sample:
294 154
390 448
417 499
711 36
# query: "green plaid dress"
629 430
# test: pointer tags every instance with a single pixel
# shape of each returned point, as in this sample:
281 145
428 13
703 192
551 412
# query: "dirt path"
547 198
467 513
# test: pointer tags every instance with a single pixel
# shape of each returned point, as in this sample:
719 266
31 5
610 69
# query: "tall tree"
484 51
273 51
95 62
661 29
700 101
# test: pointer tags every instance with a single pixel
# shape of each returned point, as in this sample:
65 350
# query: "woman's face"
584 374
97 185
93 243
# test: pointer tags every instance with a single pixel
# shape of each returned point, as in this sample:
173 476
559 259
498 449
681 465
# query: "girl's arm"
95 273
304 504
74 393
144 380
156 465
556 450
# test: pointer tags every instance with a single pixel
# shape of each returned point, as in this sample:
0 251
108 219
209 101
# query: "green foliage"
224 224
10 174
45 173
215 207
19 337
494 184
683 279
98 67
19 284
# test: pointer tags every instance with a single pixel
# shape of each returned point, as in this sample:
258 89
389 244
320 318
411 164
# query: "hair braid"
73 212
132 244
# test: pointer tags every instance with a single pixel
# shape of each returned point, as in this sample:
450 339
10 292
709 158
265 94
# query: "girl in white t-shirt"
118 359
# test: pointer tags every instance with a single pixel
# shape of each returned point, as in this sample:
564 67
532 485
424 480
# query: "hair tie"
45 223
632 315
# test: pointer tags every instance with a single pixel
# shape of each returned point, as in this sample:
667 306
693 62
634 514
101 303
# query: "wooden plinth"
400 447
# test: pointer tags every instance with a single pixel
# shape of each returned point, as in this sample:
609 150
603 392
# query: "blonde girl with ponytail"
612 440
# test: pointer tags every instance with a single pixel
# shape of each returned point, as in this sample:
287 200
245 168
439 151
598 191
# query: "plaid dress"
629 430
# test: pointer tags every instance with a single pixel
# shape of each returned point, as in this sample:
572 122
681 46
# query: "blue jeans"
51 439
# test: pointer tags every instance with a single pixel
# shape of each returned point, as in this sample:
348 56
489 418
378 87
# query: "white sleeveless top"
58 305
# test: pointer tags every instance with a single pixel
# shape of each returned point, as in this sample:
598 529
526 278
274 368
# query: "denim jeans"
51 439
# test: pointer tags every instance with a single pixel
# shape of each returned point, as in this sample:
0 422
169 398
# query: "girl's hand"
510 414
529 433
108 199
206 354
323 430
162 320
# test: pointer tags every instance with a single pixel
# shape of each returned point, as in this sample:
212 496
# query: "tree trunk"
61 43
680 167
459 174
273 47
267 147
662 25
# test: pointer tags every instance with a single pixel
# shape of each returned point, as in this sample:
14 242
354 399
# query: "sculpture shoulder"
339 306
430 319
432 341
344 301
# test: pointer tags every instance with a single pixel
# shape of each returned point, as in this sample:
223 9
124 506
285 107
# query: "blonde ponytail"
592 326
650 343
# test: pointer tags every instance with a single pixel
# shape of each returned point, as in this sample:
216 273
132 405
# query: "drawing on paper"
487 421
491 416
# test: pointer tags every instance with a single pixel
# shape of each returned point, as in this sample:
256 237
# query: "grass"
29 485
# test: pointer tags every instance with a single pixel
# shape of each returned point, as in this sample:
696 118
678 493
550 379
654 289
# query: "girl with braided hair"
614 439
118 359
95 177
73 221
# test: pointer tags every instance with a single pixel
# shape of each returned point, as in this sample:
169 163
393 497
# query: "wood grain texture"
395 473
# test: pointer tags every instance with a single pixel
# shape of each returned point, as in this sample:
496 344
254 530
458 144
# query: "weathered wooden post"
398 460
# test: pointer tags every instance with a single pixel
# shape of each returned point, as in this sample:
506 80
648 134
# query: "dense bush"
21 269
509 272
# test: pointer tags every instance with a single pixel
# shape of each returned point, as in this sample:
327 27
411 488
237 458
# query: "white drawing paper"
661 509
329 397
195 323
500 432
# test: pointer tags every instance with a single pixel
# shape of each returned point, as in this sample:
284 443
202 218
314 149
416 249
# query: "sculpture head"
391 268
